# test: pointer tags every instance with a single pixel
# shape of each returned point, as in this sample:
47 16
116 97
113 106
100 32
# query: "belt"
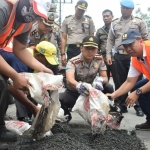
121 52
74 45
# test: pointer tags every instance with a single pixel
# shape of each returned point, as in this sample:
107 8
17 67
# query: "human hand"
21 83
63 60
47 70
131 99
59 67
98 83
109 61
111 96
82 89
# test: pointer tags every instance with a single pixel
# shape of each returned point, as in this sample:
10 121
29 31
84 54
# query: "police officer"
84 68
46 31
102 34
74 29
122 60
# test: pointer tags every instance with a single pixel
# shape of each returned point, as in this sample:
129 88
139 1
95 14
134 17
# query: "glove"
98 83
82 89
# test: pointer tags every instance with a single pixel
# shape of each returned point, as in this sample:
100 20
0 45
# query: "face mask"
24 12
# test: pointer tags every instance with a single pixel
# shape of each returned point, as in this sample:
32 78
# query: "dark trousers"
4 100
72 51
144 99
69 97
122 64
111 69
23 111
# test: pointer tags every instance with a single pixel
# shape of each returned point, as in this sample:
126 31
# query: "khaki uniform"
77 29
122 60
102 34
118 27
85 72
54 37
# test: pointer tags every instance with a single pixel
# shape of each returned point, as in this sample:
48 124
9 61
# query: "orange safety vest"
139 65
7 32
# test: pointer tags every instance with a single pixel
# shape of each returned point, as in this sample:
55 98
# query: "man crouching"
84 68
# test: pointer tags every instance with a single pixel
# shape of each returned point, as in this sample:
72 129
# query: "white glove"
98 83
82 89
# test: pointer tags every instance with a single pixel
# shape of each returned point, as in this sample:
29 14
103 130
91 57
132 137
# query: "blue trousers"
144 99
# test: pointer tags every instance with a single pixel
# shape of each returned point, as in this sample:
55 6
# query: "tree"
144 16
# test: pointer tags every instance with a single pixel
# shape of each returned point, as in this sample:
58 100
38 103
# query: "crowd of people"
31 41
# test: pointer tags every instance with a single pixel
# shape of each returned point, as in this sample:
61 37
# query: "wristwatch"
62 54
138 91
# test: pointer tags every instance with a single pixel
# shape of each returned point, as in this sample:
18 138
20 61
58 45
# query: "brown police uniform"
76 30
102 35
54 37
122 60
85 73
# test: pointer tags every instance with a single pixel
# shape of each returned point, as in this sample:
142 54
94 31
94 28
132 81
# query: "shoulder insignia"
68 16
33 32
76 61
138 18
88 16
98 57
115 19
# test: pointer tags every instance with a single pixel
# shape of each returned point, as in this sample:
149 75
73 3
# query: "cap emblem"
42 50
91 39
83 4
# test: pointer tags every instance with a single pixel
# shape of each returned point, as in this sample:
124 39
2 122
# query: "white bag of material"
18 127
94 109
40 83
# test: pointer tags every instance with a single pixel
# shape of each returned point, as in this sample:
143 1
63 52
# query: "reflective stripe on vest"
139 65
7 33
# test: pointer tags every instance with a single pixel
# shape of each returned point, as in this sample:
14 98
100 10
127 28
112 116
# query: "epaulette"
56 24
76 60
88 16
115 19
68 16
33 32
98 57
138 18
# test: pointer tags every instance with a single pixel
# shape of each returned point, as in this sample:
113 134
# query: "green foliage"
144 16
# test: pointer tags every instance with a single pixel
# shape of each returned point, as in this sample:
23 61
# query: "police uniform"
54 37
85 73
102 35
122 60
76 30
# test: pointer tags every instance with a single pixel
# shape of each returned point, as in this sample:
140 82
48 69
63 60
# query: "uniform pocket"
117 30
86 27
71 28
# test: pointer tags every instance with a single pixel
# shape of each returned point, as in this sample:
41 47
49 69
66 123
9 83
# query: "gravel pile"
80 138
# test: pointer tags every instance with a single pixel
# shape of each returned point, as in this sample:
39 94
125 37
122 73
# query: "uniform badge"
95 65
80 70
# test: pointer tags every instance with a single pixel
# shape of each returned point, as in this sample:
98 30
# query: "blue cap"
130 36
127 3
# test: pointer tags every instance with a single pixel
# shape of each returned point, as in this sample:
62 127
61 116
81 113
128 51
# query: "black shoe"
139 111
123 109
6 136
26 119
4 147
143 126
69 117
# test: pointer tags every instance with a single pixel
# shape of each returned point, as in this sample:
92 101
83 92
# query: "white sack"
18 127
40 83
94 109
